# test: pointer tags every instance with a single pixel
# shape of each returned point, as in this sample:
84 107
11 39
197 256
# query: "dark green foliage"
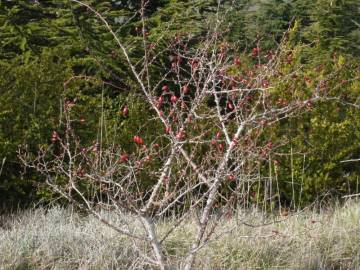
335 26
44 44
325 39
29 102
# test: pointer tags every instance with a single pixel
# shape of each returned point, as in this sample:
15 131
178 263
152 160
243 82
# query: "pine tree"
335 26
45 43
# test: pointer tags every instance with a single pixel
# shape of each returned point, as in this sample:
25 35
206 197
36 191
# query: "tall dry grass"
59 238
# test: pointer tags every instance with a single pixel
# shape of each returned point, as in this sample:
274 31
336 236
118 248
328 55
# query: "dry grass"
60 239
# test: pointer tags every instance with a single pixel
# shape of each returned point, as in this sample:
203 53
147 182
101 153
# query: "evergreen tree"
46 43
335 26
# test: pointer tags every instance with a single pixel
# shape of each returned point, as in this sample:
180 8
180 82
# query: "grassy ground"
60 239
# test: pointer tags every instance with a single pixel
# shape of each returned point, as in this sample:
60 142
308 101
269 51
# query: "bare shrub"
214 115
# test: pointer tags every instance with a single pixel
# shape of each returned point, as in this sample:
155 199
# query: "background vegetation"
51 50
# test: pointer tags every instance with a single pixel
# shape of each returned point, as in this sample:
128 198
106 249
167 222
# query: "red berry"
194 64
124 158
255 51
265 83
165 88
173 99
138 140
230 105
138 163
237 61
54 136
81 173
221 147
186 90
218 135
269 55
125 111
160 102
167 130
180 136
